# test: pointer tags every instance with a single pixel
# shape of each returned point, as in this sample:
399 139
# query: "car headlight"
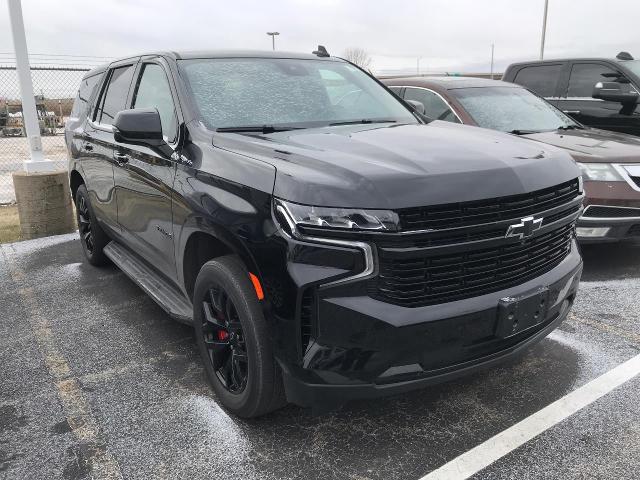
599 172
333 218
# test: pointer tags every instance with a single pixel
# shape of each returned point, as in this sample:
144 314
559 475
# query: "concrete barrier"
44 204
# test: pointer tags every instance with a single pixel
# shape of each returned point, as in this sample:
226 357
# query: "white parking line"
483 455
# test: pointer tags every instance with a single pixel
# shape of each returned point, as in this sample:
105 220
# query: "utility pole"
36 162
273 39
544 28
492 48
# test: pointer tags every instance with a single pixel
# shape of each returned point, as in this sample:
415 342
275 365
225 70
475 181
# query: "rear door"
98 143
144 177
577 100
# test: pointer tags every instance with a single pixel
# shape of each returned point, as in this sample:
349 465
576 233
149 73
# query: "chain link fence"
55 89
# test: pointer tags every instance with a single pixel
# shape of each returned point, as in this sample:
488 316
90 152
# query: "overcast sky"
449 35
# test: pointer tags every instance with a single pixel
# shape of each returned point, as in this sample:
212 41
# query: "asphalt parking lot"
97 382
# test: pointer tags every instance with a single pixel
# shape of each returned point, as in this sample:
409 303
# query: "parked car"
610 162
324 241
598 92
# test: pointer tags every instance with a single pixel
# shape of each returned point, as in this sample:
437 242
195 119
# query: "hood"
593 145
398 166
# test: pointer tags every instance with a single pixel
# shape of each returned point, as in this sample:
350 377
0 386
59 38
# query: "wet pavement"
97 382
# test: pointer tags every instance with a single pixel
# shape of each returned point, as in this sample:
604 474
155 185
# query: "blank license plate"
516 314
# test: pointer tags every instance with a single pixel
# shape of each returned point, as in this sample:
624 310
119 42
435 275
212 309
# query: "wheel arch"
75 180
202 246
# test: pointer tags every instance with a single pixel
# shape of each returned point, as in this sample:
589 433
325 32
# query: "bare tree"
359 56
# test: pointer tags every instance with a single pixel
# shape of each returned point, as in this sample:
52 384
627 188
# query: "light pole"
36 162
273 38
544 28
492 48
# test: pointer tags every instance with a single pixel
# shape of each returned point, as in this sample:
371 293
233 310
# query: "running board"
160 290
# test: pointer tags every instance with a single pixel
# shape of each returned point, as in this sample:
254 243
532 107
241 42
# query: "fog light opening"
592 231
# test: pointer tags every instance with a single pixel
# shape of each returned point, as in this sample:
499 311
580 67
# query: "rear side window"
115 96
584 76
85 94
153 91
434 107
542 79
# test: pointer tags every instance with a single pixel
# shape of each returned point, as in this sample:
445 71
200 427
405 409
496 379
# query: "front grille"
427 277
602 211
491 210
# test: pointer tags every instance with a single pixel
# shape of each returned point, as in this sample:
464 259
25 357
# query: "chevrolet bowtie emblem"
525 228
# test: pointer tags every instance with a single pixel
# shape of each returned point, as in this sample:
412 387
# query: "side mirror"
139 126
613 92
416 106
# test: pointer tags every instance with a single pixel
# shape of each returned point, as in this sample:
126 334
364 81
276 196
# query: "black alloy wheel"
234 339
224 339
92 237
84 225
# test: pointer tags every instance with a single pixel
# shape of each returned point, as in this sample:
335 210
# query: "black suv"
324 240
598 92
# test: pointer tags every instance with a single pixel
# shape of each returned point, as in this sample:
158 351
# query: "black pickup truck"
325 240
597 92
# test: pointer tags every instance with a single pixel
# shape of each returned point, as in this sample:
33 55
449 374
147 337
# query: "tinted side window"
584 76
542 79
434 106
153 91
115 96
396 90
85 94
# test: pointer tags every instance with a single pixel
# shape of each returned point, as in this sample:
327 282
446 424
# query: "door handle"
572 112
121 158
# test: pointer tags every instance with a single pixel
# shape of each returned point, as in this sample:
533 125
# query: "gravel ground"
97 382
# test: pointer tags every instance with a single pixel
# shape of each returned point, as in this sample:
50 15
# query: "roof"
576 59
449 83
193 54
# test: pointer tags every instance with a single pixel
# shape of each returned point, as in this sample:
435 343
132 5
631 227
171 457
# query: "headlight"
599 172
338 218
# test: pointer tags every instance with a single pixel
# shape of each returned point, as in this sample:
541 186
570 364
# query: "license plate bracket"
516 314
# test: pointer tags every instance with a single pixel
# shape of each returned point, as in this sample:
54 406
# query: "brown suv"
610 162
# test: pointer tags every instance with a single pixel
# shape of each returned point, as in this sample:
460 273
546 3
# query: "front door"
144 177
97 146
579 103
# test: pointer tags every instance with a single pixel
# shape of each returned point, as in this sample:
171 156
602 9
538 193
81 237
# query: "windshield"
510 109
633 65
231 92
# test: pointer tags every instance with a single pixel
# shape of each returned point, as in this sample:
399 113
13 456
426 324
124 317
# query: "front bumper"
612 213
365 348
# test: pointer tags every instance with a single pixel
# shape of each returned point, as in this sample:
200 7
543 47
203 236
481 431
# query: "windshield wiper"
257 128
362 121
523 132
570 127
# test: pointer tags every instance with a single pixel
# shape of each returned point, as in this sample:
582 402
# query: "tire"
92 238
247 387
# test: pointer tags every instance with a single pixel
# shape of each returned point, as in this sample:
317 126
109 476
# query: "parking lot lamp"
273 38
